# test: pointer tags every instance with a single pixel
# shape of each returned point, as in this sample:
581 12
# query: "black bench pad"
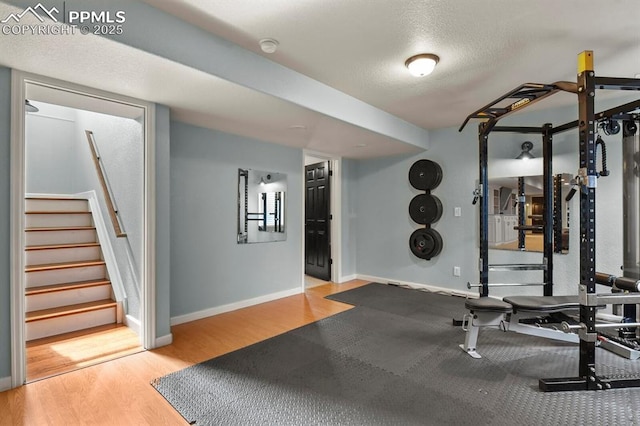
543 303
487 304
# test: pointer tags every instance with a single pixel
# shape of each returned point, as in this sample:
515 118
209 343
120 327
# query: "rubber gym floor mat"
394 360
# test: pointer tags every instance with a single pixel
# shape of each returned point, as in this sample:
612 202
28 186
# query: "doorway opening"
321 220
80 213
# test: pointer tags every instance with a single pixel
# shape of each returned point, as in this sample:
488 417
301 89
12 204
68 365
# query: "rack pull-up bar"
524 95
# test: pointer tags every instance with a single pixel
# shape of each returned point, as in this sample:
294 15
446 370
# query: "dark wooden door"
317 243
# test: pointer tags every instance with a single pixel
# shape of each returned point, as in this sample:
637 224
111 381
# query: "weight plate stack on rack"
425 209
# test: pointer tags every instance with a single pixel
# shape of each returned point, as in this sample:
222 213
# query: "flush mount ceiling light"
525 154
269 45
421 65
29 107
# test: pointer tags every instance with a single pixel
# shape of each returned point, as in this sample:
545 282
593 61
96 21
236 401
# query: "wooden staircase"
67 285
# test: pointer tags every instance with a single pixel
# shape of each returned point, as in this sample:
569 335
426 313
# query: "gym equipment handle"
566 327
621 283
475 285
518 267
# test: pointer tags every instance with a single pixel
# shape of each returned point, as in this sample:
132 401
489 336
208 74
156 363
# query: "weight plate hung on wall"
425 209
425 243
425 175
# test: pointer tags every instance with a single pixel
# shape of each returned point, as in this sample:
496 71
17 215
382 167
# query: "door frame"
335 209
19 82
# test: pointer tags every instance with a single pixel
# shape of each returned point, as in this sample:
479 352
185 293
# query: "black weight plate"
425 209
425 175
425 243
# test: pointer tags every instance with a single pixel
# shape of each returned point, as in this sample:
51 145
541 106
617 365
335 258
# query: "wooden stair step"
56 198
65 265
62 228
65 286
70 310
57 212
61 246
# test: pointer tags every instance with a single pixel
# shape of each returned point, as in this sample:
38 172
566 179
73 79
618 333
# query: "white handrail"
104 182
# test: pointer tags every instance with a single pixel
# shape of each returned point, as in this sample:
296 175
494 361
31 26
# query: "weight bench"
507 313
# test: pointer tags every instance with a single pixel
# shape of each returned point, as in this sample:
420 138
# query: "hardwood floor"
61 354
118 392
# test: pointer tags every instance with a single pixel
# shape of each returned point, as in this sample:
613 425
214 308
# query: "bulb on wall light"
526 155
421 65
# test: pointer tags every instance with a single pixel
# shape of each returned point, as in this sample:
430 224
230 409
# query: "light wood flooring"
118 392
61 354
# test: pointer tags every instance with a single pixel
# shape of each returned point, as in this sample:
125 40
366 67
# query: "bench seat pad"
543 303
487 304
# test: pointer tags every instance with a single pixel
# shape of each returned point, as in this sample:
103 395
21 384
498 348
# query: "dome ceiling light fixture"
422 64
269 45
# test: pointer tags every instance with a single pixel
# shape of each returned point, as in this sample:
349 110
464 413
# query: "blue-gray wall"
50 150
382 195
208 268
5 213
348 217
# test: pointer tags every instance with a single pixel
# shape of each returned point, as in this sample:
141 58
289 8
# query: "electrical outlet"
456 271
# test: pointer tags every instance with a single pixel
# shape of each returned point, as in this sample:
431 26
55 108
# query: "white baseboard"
431 288
346 278
133 324
165 340
5 383
180 319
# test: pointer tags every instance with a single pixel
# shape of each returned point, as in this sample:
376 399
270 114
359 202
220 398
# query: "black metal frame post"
521 212
631 167
589 175
587 378
558 244
264 211
243 224
483 139
547 173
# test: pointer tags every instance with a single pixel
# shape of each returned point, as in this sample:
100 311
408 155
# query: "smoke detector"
269 45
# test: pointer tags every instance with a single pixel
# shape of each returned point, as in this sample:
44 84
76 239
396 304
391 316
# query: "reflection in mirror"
270 211
516 218
261 206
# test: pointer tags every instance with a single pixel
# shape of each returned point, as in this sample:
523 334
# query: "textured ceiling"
486 47
357 47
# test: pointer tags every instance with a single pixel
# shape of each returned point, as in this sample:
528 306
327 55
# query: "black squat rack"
586 180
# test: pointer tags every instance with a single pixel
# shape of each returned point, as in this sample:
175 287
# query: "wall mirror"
505 213
261 206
